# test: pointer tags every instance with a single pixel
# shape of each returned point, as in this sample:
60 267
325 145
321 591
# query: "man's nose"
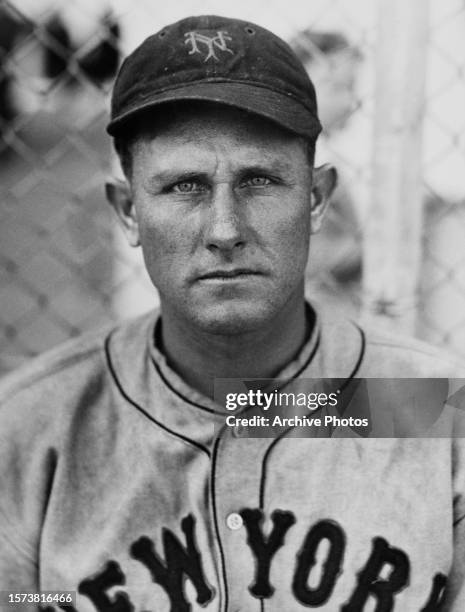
224 225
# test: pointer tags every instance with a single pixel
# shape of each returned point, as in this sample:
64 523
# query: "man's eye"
257 181
188 187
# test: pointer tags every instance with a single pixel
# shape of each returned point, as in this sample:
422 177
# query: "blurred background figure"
11 28
96 60
335 265
44 54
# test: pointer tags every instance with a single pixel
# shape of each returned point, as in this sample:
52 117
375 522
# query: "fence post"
392 244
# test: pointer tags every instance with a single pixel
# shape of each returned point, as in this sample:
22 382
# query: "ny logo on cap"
211 42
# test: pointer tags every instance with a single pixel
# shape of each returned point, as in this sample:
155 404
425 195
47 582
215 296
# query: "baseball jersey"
115 483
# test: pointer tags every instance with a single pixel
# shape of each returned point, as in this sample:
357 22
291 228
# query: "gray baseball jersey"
113 484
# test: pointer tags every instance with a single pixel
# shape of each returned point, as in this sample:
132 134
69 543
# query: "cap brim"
283 109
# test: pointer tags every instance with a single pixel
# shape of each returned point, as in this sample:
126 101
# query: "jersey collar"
148 383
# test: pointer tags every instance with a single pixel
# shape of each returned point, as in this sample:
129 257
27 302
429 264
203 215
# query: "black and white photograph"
232 306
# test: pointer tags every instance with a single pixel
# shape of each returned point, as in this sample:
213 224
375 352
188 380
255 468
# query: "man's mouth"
229 274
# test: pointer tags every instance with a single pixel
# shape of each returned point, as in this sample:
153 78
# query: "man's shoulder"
65 371
62 397
369 352
395 355
45 370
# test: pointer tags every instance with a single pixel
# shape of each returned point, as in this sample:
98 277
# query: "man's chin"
233 318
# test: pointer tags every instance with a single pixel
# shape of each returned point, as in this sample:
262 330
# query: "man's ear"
119 195
324 182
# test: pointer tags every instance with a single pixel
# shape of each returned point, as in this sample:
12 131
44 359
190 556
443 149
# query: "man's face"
222 209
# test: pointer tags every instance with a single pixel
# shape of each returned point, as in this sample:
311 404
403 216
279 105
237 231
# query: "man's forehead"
206 146
219 163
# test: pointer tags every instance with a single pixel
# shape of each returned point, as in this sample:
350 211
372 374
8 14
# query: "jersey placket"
237 473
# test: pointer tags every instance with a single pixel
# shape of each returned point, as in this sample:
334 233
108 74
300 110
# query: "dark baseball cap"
220 60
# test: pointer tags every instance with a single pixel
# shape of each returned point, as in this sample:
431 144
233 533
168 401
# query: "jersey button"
234 521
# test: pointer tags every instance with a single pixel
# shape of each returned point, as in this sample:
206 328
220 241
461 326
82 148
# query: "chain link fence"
64 266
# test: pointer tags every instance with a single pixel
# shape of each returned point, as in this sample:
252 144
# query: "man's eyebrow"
274 166
171 176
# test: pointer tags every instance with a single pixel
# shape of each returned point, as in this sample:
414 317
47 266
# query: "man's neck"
199 357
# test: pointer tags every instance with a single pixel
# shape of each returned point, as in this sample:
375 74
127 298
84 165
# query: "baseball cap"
216 59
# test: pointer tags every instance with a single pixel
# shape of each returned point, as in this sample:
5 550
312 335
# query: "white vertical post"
392 243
